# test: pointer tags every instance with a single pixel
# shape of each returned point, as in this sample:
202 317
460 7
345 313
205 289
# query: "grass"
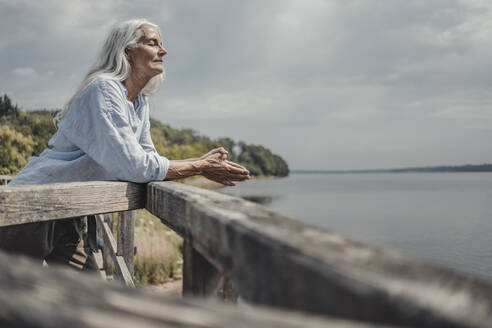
159 250
159 255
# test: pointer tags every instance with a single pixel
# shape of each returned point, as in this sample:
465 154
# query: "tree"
261 161
15 150
6 107
38 128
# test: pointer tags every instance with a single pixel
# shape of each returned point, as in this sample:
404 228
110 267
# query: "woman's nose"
162 51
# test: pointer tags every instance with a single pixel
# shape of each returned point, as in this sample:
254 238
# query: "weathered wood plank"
32 203
99 261
107 257
99 228
200 278
125 238
121 269
111 245
31 296
277 261
122 272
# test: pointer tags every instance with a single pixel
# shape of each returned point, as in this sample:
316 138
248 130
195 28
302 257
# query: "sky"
353 84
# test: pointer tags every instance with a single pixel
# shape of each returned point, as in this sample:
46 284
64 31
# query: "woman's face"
146 58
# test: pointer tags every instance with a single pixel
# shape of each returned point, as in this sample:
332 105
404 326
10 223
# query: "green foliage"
26 134
159 250
37 126
186 143
177 151
15 149
261 161
6 107
149 270
169 142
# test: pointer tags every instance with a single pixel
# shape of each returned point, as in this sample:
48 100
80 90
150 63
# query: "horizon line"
430 167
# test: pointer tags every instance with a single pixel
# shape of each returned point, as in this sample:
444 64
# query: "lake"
443 218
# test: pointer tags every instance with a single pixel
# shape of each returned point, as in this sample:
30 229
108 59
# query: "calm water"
444 218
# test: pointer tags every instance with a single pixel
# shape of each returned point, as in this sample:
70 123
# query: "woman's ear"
127 54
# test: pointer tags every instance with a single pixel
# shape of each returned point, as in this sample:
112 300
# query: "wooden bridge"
286 273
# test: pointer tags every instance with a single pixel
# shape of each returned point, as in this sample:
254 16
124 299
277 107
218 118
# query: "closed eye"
154 42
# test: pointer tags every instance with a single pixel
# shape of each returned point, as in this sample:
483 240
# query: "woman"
104 134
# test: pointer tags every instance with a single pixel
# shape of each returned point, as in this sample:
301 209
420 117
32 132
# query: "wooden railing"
117 254
234 247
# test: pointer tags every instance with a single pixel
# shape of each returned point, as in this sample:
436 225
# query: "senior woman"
104 134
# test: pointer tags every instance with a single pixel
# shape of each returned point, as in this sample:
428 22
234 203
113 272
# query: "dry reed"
159 250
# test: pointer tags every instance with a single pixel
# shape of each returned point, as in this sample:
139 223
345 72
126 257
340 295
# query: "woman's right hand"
215 167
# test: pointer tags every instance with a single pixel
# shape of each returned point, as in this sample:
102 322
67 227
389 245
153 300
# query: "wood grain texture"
200 278
277 261
107 257
33 203
31 296
99 261
122 272
125 238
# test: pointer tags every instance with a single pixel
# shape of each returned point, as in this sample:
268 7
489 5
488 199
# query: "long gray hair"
112 61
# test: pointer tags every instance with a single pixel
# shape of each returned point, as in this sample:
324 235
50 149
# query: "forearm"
179 169
185 160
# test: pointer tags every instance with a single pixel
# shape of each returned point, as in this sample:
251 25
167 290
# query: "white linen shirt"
102 137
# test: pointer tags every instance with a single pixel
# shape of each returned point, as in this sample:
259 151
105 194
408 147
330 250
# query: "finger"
220 150
224 181
237 165
238 177
236 169
216 156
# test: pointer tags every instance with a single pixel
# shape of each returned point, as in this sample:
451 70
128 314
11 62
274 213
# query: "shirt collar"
138 100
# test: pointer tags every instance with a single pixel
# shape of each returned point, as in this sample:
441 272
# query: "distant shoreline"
427 169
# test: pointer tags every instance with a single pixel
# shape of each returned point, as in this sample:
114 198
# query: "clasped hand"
215 166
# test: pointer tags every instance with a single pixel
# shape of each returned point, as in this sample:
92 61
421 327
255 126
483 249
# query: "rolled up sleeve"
98 123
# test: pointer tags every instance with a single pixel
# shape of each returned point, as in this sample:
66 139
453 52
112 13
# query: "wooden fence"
117 254
234 247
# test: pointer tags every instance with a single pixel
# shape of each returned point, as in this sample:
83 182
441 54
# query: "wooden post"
126 229
107 256
226 291
99 228
200 278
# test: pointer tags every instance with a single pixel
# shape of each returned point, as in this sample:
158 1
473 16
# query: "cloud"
330 77
25 72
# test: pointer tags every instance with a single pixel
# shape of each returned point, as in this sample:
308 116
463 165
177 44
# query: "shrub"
159 250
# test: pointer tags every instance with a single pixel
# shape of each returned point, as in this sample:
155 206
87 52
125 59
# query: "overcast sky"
325 84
